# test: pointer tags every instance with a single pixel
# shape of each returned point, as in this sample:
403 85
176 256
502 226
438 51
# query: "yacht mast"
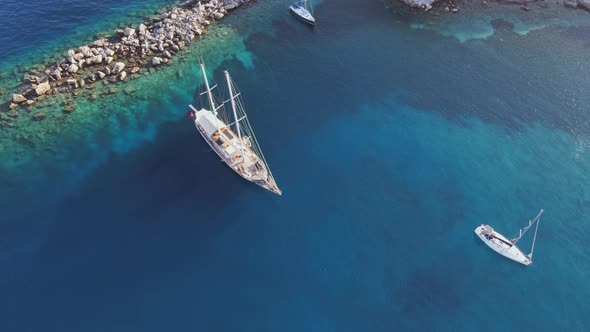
211 102
523 230
233 106
535 237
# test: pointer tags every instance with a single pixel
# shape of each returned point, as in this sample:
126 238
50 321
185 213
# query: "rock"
78 56
584 4
128 32
100 42
129 91
72 69
39 116
69 109
42 88
73 83
107 70
81 83
175 48
218 16
454 10
570 4
156 61
90 61
424 4
71 53
84 49
12 106
30 102
101 75
134 70
27 79
118 67
93 96
167 54
17 98
122 75
97 59
142 28
108 60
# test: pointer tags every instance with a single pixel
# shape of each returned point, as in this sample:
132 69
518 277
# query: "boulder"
128 32
42 88
12 106
97 59
108 60
167 54
84 49
118 67
72 68
78 56
584 4
100 42
18 98
28 78
39 116
218 16
101 74
122 75
107 70
156 61
570 3
142 28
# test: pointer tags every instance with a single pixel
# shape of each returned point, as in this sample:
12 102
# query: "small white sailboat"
507 248
234 142
300 10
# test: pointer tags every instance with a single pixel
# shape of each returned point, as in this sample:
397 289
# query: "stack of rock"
150 44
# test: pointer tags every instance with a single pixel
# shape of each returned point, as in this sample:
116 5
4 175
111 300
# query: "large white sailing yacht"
299 8
234 142
507 248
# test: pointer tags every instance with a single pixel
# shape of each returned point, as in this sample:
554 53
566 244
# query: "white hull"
500 244
302 13
238 155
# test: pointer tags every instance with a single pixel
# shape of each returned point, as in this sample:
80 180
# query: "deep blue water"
391 145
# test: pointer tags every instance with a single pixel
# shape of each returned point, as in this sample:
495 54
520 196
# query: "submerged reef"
126 55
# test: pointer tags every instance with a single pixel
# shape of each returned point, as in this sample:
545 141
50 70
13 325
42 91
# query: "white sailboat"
300 10
507 248
237 148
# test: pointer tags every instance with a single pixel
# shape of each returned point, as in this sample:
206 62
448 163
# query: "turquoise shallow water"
391 145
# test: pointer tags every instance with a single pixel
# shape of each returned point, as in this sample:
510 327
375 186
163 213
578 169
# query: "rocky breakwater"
451 5
126 55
